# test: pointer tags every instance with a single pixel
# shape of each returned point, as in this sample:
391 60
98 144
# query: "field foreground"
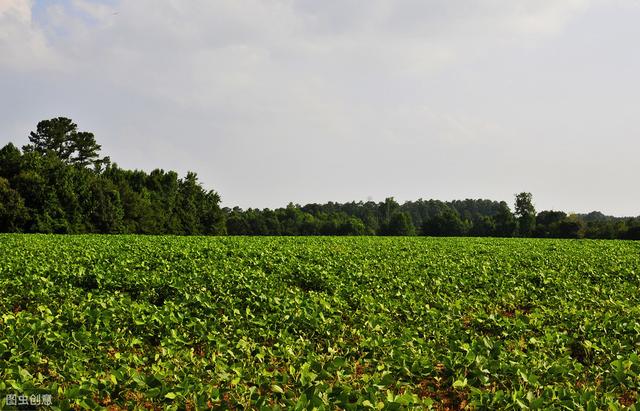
332 323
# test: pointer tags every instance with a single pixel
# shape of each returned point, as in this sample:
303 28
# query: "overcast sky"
272 101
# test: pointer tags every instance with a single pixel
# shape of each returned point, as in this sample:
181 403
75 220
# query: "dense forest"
59 183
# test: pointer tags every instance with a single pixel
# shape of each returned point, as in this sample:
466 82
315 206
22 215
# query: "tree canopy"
526 214
61 137
59 183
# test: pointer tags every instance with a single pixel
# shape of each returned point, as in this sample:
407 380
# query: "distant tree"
400 225
352 226
271 222
49 193
308 225
105 211
60 136
329 224
13 213
594 216
86 151
632 231
294 221
187 204
569 227
526 214
447 223
483 226
600 229
10 161
387 209
55 135
212 219
371 223
505 221
236 223
548 217
256 222
546 223
33 188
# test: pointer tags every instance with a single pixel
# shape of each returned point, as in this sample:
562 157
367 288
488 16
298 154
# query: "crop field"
124 322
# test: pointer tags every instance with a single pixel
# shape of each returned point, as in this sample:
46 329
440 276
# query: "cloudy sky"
272 101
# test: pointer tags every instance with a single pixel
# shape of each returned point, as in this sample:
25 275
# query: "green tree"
483 226
13 213
271 222
388 208
632 233
400 224
526 214
547 221
569 227
60 136
352 226
505 221
445 223
371 223
237 224
10 161
600 229
86 151
257 223
307 225
212 219
187 204
105 213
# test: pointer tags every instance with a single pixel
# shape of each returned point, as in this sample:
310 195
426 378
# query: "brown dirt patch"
628 398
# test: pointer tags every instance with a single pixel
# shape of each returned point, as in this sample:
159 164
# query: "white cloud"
175 84
21 8
22 45
257 59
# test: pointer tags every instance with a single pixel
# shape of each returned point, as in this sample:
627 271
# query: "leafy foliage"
475 218
48 188
326 322
526 213
61 137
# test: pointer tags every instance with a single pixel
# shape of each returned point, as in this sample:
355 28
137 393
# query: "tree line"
59 183
473 218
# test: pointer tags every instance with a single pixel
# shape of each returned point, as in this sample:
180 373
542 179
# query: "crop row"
297 323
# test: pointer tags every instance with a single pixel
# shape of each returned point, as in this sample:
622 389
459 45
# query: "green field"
331 323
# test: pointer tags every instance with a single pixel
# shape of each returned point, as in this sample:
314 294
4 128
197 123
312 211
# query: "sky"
278 101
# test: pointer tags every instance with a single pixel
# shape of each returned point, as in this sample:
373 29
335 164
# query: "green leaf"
460 383
405 399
